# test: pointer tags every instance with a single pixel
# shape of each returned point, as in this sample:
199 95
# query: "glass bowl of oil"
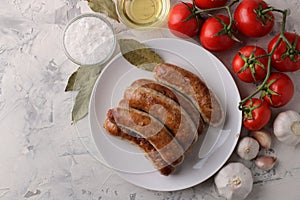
141 14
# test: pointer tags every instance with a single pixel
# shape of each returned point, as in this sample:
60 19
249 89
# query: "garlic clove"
265 162
248 148
264 139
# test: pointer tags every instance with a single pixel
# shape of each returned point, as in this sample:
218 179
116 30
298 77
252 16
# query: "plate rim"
123 174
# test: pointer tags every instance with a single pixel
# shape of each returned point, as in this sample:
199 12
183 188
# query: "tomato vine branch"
281 37
263 14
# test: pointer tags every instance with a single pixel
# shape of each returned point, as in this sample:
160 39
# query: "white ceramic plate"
127 159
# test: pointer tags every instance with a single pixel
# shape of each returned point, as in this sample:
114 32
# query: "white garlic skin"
234 181
264 138
248 148
265 162
287 127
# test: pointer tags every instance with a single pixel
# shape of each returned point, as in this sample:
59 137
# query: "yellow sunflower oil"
143 13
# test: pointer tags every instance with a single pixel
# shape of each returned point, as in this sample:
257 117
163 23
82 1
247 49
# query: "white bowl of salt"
89 39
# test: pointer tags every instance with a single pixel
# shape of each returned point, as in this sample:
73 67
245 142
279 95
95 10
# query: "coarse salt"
89 40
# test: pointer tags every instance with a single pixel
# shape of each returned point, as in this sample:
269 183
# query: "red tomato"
257 114
210 36
179 22
247 67
279 89
286 59
206 4
250 20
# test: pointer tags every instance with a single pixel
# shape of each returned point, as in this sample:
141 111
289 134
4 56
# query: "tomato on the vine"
256 114
215 35
286 58
252 19
182 20
206 4
278 90
249 68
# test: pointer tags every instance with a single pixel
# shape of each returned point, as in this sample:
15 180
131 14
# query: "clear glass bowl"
89 39
143 14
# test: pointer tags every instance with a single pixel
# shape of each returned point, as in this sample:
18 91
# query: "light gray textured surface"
41 154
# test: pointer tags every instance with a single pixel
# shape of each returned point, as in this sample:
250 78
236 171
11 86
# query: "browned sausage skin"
166 110
151 129
175 96
194 88
162 117
142 143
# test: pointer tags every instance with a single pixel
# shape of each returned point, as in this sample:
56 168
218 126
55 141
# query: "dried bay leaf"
81 105
139 54
72 85
82 80
106 7
81 77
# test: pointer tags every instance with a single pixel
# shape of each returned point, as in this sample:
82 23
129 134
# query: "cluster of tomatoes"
253 19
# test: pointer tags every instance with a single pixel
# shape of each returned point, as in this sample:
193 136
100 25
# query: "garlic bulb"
265 162
234 181
264 139
248 148
287 127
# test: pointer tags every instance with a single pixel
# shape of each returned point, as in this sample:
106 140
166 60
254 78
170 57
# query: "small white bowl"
130 20
83 36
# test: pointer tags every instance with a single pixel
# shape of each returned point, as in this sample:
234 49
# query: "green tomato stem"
262 56
230 17
284 16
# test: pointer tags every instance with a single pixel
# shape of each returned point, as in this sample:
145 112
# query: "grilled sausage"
194 88
146 126
151 153
175 96
166 110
